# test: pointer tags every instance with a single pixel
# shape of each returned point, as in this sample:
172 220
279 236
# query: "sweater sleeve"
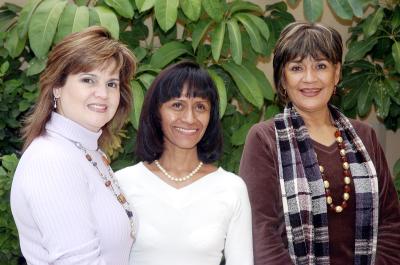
238 244
259 172
55 188
388 247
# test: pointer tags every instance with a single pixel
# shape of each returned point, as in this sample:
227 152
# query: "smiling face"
184 121
310 83
90 98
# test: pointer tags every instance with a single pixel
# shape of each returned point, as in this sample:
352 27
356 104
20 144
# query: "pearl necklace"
178 179
346 178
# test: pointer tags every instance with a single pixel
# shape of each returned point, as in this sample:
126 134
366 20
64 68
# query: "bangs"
195 82
318 43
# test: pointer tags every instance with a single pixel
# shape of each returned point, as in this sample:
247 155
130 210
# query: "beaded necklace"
109 181
346 178
176 179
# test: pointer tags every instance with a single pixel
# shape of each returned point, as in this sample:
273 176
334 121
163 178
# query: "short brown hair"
300 40
82 52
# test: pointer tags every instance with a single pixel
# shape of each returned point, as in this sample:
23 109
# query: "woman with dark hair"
189 211
66 203
319 185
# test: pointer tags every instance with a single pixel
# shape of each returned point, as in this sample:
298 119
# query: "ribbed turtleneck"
71 130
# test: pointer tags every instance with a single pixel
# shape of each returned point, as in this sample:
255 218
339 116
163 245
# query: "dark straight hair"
169 84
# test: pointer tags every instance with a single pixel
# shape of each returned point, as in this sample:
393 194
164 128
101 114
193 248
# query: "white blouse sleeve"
239 240
58 197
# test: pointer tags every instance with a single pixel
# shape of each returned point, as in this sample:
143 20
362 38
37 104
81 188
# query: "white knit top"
63 211
193 225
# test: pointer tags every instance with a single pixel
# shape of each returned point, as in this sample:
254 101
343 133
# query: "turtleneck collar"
73 131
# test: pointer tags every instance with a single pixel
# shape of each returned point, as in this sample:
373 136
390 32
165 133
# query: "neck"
316 119
179 160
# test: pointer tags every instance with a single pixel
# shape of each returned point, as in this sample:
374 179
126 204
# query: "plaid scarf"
303 193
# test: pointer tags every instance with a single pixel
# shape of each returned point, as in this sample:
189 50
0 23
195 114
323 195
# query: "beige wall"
389 140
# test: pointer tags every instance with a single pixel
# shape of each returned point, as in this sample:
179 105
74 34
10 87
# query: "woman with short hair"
319 185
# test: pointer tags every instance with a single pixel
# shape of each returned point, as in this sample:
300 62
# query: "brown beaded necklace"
346 178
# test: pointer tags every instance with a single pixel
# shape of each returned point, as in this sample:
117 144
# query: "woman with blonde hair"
66 203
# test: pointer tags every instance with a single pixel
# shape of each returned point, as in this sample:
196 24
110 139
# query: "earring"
334 90
55 102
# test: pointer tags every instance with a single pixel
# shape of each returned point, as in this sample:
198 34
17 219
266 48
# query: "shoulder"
365 132
130 173
263 132
231 180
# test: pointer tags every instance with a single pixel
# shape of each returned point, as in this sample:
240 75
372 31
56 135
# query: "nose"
188 116
309 75
101 91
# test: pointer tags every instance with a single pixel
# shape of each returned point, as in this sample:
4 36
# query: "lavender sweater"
63 211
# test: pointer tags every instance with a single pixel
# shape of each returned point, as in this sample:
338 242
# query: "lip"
97 107
310 92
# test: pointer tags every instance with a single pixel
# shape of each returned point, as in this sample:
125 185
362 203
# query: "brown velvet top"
259 169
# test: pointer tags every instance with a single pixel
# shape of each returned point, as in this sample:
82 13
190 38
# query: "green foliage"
371 72
9 248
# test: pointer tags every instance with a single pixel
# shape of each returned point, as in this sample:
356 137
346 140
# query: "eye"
295 68
321 66
87 80
113 84
177 105
201 107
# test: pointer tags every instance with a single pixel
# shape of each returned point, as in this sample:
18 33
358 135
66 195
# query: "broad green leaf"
271 111
73 19
235 39
217 39
109 20
239 136
25 17
396 55
144 5
199 32
4 68
252 30
7 19
147 68
341 8
140 53
168 53
358 49
312 9
382 100
396 17
246 83
214 9
350 99
43 26
393 90
9 162
14 44
146 79
191 9
138 97
372 22
263 82
35 66
166 13
219 83
260 24
236 6
93 17
124 8
357 7
365 98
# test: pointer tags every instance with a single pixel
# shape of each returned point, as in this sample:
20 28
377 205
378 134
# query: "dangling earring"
55 102
334 90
